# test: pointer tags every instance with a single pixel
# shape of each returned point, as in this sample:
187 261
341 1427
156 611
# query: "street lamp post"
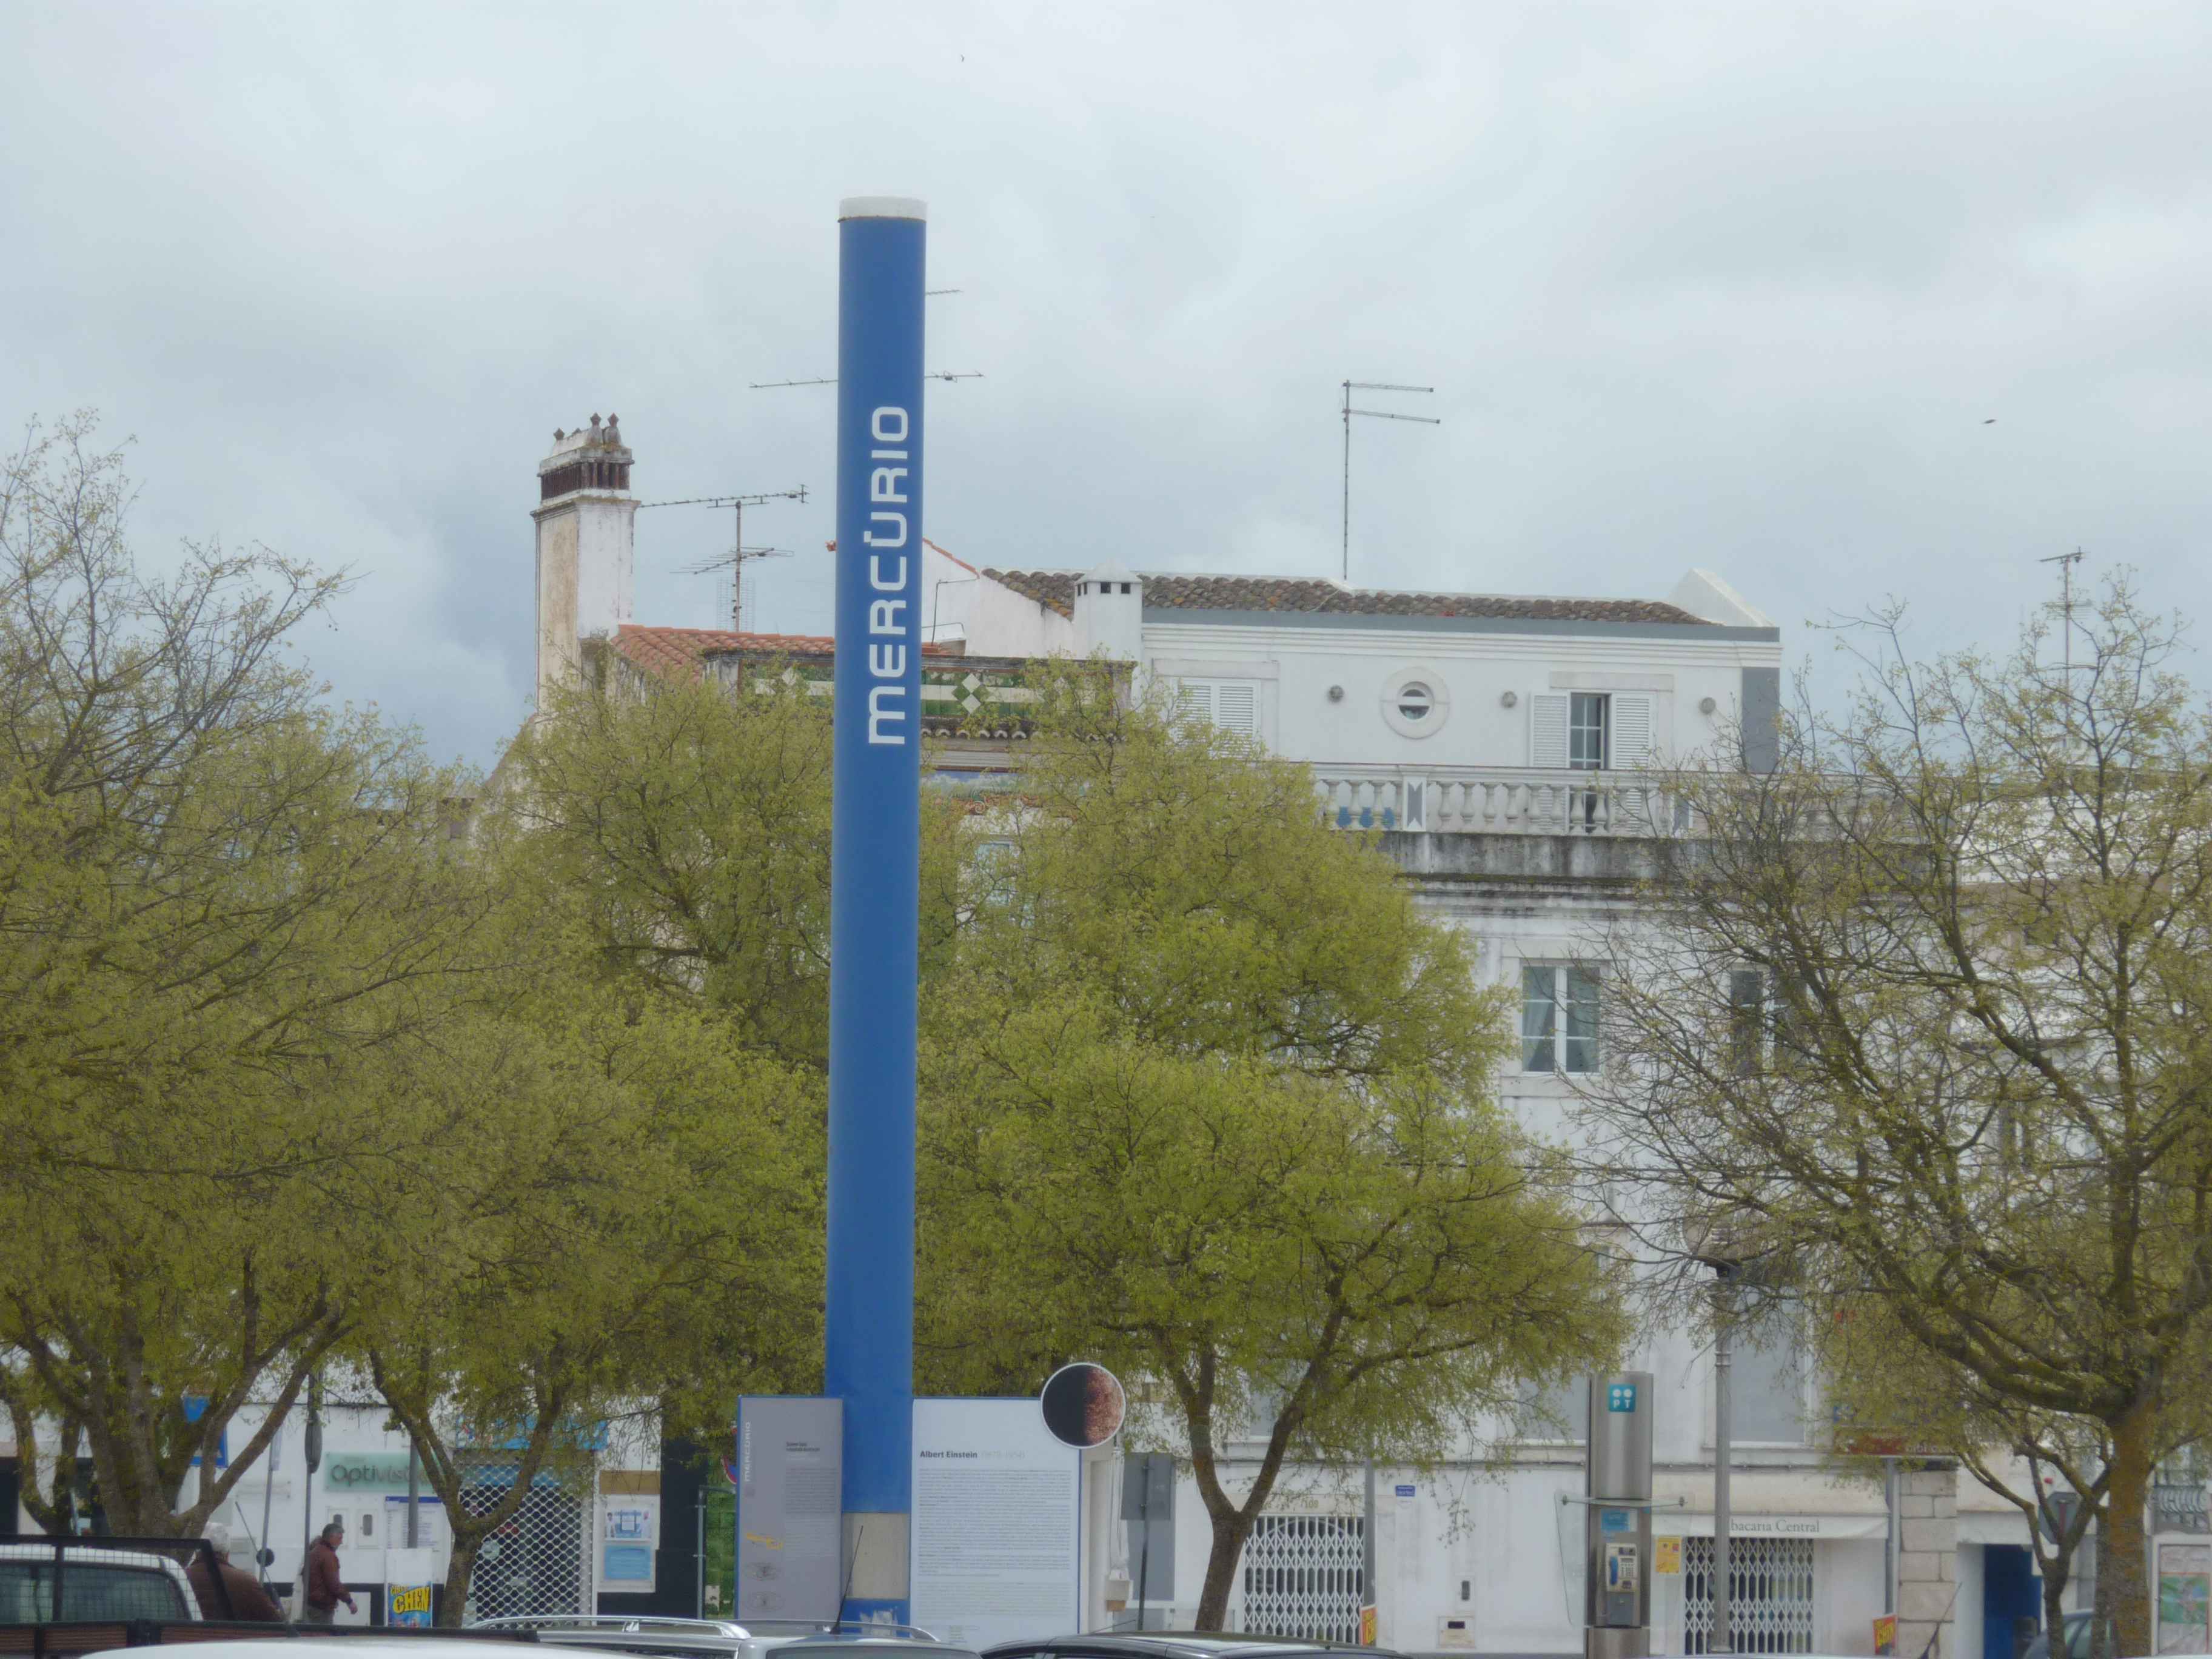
1724 1635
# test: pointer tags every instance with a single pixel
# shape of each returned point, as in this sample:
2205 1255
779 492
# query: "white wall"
1967 1611
960 603
1472 672
607 562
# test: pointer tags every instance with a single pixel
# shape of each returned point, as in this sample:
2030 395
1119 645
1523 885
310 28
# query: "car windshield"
867 1648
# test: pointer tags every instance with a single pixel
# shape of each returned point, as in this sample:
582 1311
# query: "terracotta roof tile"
1168 592
674 651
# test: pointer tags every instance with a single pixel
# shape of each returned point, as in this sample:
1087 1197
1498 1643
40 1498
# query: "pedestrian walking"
326 1585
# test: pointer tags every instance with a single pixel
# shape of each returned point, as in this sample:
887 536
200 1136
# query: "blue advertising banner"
875 881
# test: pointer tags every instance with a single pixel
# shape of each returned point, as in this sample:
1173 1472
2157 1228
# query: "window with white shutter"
1558 1017
1589 731
1548 729
1236 707
1233 705
1632 732
1589 727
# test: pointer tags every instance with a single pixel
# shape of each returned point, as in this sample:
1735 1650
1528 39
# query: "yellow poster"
1885 1633
1666 1555
1367 1626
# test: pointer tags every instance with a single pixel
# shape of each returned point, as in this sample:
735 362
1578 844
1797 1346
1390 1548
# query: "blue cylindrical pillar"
875 885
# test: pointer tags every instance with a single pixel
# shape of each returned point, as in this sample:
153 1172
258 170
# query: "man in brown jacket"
241 1595
326 1584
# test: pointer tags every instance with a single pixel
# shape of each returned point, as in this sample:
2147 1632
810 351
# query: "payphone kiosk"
1617 1508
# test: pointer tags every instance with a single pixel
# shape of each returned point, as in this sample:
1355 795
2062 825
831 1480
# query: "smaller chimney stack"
1110 613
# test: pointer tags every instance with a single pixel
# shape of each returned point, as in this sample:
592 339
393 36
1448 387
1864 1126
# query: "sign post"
875 884
998 1501
790 1557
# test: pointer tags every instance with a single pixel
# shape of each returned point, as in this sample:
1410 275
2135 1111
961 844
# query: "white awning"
1681 1523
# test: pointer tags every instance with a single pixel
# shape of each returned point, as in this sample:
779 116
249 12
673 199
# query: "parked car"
2077 1640
715 1638
72 1580
370 1643
1176 1644
871 1643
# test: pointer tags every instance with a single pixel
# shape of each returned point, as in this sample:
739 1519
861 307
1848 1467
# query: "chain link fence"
539 1560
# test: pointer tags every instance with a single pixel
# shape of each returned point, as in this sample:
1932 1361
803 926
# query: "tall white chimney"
1110 613
586 547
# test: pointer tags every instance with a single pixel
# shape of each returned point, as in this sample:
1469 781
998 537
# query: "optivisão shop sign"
376 1471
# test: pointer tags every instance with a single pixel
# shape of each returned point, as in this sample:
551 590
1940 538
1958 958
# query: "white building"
1497 741
559 1554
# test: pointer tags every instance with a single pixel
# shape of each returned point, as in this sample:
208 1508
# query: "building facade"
1502 748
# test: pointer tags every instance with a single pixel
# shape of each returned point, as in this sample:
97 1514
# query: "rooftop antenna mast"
2066 562
734 560
932 374
1351 386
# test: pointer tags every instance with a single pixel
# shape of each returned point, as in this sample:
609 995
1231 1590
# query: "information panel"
996 1548
790 1476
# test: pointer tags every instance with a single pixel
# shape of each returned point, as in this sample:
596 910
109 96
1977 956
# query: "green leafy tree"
230 918
1207 1102
1929 1020
1892 1398
638 1236
691 821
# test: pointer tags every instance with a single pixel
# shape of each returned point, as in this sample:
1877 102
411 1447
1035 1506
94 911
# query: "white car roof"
363 1647
33 1550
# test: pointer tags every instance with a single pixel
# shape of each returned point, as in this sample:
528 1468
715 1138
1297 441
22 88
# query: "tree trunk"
2054 1608
2058 1573
2100 1596
2124 1564
460 1573
1230 1530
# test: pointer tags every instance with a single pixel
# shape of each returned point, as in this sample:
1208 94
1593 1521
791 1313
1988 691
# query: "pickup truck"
65 1598
73 1580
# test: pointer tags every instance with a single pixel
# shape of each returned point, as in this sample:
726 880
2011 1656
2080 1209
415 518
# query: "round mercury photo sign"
1082 1404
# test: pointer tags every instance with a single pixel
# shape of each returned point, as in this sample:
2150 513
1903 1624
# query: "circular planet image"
1082 1404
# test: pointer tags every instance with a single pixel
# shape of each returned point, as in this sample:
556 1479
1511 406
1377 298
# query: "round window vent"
1415 702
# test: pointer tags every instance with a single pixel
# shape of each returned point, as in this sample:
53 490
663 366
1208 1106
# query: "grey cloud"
1735 286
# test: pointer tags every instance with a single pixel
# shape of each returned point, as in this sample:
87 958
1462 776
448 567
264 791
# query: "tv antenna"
735 560
934 374
2066 562
1351 386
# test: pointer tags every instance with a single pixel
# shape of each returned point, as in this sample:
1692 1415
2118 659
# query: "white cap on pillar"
883 207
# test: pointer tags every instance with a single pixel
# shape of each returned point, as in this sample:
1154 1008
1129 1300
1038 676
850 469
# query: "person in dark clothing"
326 1584
241 1595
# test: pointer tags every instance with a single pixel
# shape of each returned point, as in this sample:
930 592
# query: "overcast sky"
1737 286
